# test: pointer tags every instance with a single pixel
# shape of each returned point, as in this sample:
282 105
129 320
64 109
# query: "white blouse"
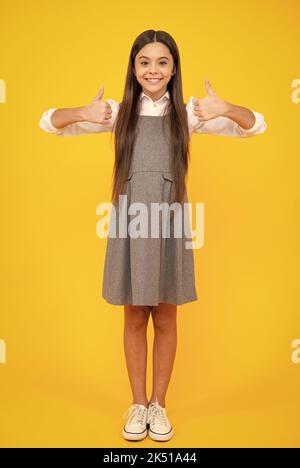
218 126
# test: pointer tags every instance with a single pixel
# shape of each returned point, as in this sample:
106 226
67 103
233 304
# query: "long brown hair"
126 121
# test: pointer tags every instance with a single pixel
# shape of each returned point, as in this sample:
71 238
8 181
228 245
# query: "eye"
162 63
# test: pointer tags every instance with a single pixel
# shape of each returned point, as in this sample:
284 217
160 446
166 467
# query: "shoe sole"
160 437
134 436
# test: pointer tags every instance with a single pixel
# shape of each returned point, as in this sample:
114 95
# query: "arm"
215 116
77 127
60 118
97 117
244 117
224 125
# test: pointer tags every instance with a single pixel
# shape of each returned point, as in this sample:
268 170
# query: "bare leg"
135 345
164 318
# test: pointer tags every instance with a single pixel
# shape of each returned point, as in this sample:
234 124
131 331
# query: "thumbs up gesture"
209 107
98 111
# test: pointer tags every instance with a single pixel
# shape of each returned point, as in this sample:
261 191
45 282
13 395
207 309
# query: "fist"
209 107
98 111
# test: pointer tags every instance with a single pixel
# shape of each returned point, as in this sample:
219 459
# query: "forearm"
241 115
65 116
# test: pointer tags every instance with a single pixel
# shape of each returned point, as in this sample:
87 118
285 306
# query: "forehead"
154 50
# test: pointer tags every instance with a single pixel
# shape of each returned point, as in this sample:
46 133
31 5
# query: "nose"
153 69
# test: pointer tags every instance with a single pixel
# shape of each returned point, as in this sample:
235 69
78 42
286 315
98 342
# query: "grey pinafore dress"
147 271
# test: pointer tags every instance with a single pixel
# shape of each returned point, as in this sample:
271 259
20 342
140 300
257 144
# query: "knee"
136 317
163 321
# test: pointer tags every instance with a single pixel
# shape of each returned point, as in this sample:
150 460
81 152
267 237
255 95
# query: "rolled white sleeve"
223 125
78 128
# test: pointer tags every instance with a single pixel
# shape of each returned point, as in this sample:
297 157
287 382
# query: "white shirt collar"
150 107
163 98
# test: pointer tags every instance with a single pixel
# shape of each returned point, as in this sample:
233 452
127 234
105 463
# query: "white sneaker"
160 427
136 426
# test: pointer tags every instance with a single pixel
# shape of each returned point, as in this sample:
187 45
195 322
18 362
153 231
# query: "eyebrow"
144 56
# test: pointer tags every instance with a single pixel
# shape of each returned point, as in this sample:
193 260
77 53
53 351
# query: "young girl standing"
151 274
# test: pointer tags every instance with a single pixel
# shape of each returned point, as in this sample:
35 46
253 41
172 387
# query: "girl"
151 275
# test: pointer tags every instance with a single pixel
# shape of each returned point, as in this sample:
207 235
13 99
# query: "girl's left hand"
211 106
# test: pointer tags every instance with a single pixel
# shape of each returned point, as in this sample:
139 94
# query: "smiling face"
154 67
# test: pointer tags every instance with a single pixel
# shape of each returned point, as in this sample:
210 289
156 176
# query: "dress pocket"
168 176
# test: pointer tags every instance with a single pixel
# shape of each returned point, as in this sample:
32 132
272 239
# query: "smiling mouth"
153 80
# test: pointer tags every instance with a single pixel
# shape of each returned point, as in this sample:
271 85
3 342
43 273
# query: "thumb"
209 88
99 94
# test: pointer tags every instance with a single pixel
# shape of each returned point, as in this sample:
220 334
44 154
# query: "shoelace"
156 414
135 414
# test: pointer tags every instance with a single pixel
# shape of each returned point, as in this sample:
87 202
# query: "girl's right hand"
98 111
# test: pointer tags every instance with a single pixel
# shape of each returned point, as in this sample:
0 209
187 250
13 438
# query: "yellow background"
65 382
